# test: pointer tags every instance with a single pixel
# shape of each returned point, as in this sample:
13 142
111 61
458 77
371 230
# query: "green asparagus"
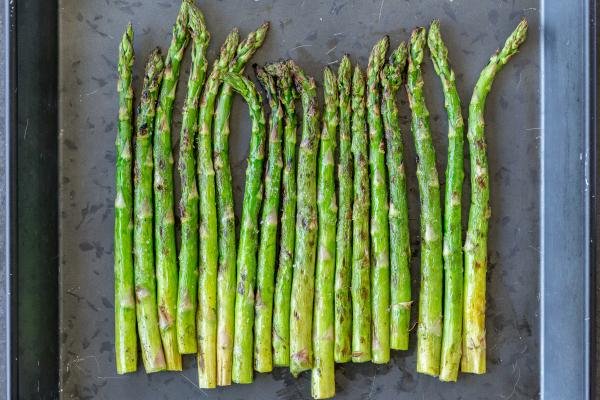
283 283
265 273
188 206
207 283
361 255
164 202
301 357
143 240
474 343
247 247
323 372
380 261
400 296
226 221
125 335
429 334
452 247
343 254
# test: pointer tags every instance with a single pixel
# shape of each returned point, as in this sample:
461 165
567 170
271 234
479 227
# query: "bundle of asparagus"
320 273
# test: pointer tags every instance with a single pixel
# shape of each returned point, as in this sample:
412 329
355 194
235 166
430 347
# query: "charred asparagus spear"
323 372
283 283
453 258
265 273
226 221
125 335
164 201
143 240
343 254
246 262
474 344
429 334
391 80
380 273
361 255
188 206
207 284
301 303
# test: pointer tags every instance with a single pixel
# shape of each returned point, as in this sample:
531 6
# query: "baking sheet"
315 33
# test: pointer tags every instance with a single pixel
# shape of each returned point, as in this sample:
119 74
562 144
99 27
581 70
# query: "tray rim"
583 339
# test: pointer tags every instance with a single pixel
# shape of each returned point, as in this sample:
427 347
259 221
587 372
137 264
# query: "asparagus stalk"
283 283
246 261
188 206
429 335
474 344
452 250
143 240
380 273
125 335
343 254
400 296
265 273
301 357
207 283
164 202
361 256
226 274
323 372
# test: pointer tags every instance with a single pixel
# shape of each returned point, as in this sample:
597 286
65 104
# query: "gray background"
315 34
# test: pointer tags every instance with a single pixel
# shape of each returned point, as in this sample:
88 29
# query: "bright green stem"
125 335
429 334
207 283
265 273
400 293
361 254
143 236
283 283
164 199
380 244
301 303
323 372
343 254
248 244
453 257
226 274
474 344
188 205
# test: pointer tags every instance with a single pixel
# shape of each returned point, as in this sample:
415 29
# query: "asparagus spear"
391 80
188 206
380 273
164 227
452 250
301 357
323 373
429 335
343 254
207 284
361 259
474 347
283 284
265 273
226 221
246 261
125 335
143 241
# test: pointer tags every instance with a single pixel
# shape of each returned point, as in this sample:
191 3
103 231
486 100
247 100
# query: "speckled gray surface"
315 33
2 214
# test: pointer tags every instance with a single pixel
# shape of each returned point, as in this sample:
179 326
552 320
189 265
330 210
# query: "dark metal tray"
541 127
